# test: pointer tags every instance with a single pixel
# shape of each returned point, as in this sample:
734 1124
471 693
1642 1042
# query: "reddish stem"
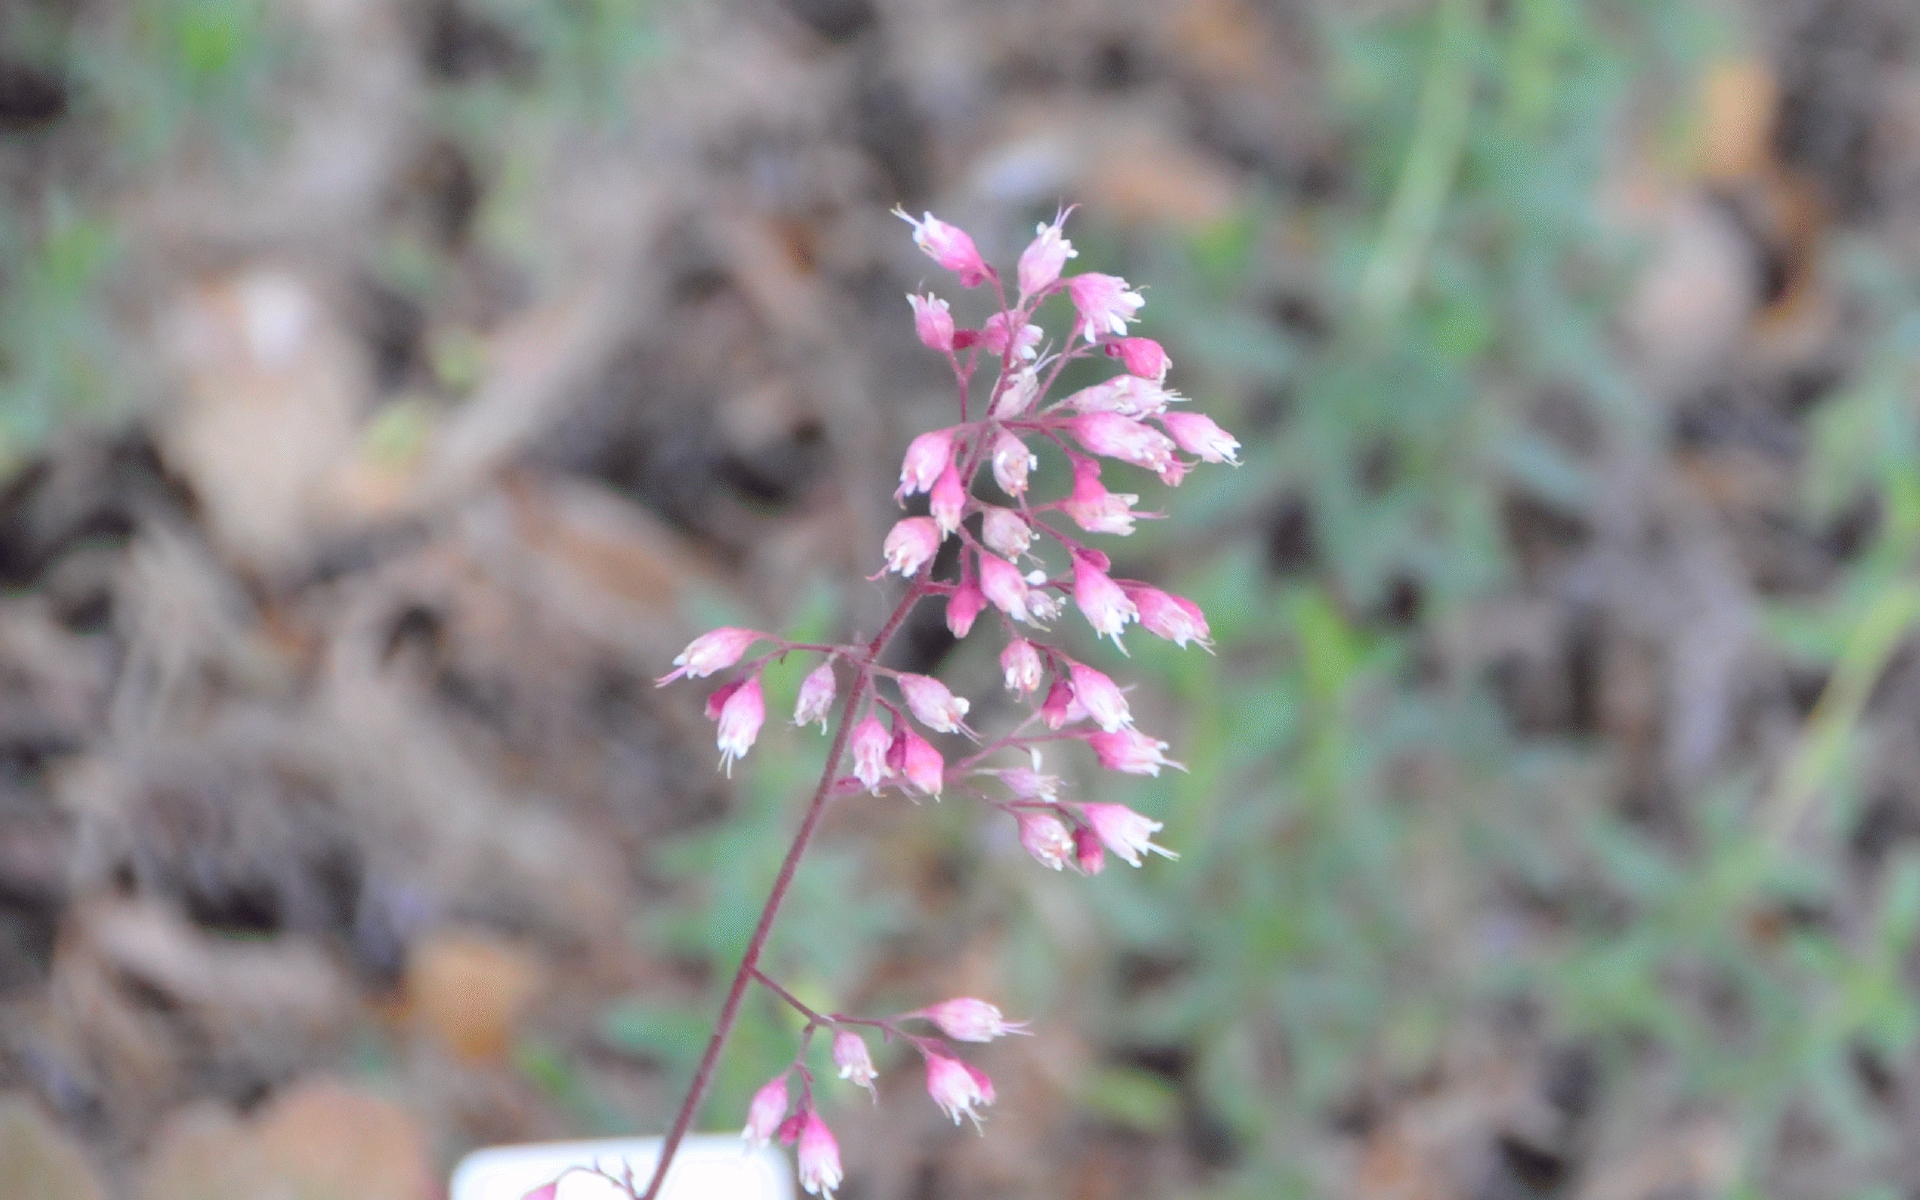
750 962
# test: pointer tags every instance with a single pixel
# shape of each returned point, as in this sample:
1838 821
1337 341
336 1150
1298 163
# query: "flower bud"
1105 304
914 757
1144 357
1011 462
856 1065
968 1020
962 607
869 744
950 247
911 544
1089 857
948 502
1199 436
1020 663
1004 532
933 322
767 1109
740 720
816 696
1043 836
932 704
1124 831
714 650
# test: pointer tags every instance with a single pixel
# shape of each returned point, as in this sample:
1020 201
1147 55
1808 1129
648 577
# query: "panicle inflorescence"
1018 560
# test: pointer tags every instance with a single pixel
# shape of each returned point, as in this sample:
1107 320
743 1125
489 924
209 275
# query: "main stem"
750 962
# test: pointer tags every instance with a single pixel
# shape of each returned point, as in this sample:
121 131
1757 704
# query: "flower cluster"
1020 560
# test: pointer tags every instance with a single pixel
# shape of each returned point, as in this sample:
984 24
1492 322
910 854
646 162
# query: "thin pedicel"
875 746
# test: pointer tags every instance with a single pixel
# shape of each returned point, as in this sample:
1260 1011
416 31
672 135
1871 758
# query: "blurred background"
389 388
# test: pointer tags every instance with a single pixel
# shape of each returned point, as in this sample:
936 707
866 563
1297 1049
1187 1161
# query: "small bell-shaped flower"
1004 532
869 744
1104 604
949 246
914 758
962 607
948 502
1043 259
856 1065
1144 357
958 1088
932 322
740 719
1043 836
965 1019
1125 832
932 704
1197 434
1103 701
1004 588
819 1157
1089 856
1093 507
911 544
1111 435
1020 664
1130 752
927 457
1174 618
766 1111
1011 461
1105 303
816 696
714 650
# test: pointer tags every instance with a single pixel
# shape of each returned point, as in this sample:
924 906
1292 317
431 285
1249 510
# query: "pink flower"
994 336
1199 436
1029 784
910 543
1089 857
1130 752
932 322
1004 532
957 1087
1044 837
950 247
740 720
1127 395
819 1157
1103 701
1016 394
948 503
1094 508
915 758
767 1109
1000 581
1106 607
968 1020
1105 304
1020 664
962 607
869 743
546 1191
932 704
1174 618
816 696
856 1065
714 650
1011 462
1125 832
927 457
1044 257
1142 356
1111 435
